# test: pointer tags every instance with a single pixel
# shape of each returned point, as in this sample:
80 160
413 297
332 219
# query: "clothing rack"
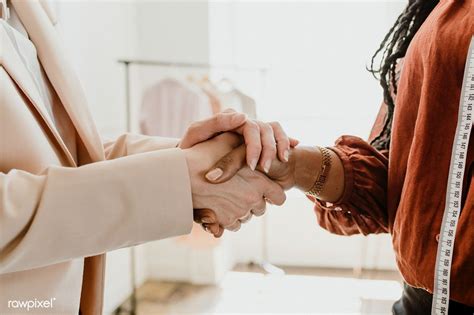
180 64
128 112
174 64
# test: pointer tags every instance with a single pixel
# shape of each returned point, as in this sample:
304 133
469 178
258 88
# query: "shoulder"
439 49
447 35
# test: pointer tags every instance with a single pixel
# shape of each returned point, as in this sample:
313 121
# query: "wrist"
194 170
307 163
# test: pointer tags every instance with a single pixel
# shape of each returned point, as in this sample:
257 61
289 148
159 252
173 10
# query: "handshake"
236 167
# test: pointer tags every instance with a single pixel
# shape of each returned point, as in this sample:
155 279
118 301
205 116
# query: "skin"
300 172
264 143
232 200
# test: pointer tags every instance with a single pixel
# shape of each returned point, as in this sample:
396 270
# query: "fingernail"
253 164
286 155
266 166
214 174
206 220
206 228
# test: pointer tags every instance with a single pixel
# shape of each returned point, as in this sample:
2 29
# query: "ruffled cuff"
362 206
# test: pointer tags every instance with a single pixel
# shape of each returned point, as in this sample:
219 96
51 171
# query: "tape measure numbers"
452 209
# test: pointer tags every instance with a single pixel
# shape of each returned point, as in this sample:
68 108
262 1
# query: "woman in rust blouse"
396 183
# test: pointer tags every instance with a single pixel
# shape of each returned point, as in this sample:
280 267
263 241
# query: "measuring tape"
452 209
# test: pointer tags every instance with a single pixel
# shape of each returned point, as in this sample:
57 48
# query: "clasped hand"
246 150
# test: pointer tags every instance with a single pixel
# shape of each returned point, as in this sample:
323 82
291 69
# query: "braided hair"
392 48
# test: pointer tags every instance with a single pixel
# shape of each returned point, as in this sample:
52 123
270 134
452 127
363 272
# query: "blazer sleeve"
65 213
129 144
363 205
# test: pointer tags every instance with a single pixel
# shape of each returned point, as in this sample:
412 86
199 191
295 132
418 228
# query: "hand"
235 200
233 161
230 165
300 172
263 141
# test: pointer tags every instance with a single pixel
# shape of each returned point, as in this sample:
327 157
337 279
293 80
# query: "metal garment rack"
172 64
128 112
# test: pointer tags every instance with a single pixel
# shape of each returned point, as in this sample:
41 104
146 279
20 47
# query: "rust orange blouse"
403 191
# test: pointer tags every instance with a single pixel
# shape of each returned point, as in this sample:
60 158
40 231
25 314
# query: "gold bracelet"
318 186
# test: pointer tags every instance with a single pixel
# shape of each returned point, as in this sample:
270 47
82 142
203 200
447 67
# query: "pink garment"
170 106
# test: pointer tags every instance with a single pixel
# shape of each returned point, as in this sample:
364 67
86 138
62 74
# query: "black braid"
392 48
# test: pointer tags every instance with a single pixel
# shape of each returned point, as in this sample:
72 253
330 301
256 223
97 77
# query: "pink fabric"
170 106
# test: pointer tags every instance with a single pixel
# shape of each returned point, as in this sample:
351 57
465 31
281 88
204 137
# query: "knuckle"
280 202
225 161
280 199
258 213
246 218
226 222
194 125
266 127
218 119
234 227
260 208
275 124
255 199
253 125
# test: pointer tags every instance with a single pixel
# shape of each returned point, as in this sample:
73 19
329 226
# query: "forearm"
130 144
307 166
94 208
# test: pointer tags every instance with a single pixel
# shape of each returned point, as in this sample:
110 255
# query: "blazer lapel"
15 68
60 73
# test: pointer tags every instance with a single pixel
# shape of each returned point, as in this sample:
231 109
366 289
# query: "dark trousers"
418 302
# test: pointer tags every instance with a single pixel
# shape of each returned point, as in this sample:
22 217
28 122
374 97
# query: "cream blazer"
57 218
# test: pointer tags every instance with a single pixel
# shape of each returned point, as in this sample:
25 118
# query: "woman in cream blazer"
54 213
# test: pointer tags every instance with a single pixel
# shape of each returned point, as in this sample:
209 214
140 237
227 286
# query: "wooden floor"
251 290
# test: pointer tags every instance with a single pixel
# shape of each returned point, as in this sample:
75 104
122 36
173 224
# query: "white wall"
97 34
173 30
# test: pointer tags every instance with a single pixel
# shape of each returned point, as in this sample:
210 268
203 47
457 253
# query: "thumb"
227 166
208 128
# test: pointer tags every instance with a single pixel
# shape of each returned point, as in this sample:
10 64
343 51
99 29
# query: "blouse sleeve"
362 207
